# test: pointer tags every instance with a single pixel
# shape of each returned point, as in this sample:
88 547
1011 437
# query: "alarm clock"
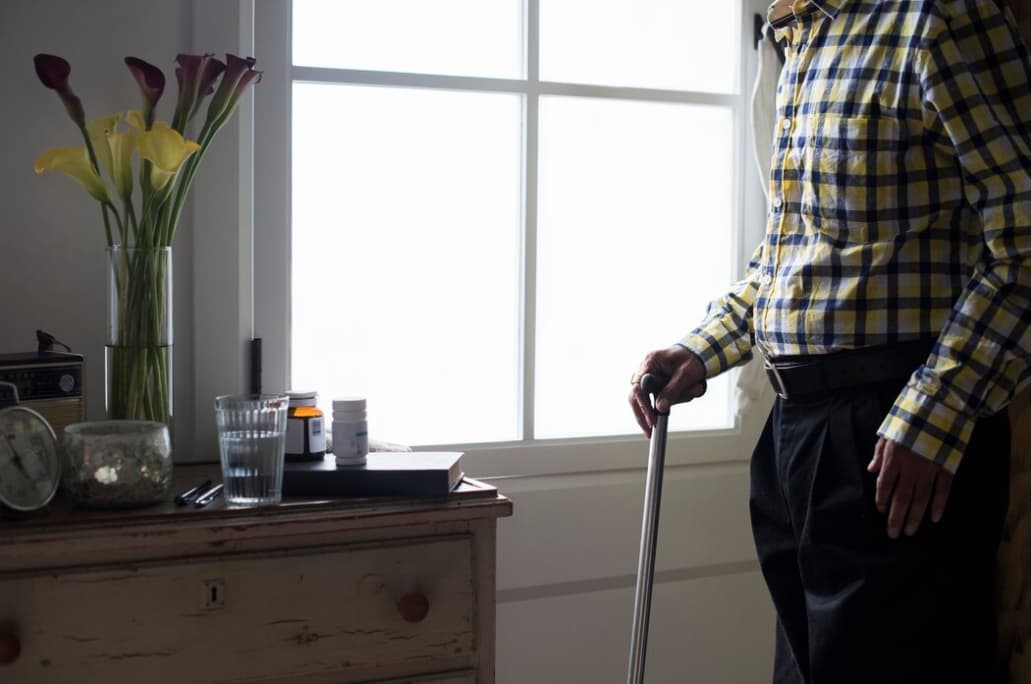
30 467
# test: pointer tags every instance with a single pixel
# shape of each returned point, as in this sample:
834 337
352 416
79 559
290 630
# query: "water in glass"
252 467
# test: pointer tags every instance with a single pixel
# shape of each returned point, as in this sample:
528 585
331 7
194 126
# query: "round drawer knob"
10 647
413 607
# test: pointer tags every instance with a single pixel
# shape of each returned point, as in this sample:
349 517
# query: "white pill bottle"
350 432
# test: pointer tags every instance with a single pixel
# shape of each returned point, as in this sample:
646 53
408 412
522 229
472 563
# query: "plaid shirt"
900 209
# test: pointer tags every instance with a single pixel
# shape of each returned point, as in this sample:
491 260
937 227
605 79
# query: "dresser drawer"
331 614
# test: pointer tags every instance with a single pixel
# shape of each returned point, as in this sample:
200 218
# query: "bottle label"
316 436
305 436
295 436
350 439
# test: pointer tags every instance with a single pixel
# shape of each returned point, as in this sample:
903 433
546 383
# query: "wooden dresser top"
63 534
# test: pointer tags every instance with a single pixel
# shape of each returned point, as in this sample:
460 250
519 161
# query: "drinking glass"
251 440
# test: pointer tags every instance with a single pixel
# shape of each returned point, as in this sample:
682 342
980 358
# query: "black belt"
792 376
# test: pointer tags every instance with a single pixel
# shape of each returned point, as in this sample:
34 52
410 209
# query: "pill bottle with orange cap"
305 428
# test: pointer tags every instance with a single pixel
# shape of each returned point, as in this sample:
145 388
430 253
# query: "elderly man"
891 300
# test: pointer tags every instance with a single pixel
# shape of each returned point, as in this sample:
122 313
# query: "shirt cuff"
715 357
928 428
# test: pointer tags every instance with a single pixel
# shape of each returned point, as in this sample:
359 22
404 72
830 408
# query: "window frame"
268 306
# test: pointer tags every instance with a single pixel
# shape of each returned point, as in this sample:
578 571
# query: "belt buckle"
775 379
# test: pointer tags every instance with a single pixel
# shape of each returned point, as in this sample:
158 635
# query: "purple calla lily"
238 75
196 75
248 78
213 68
152 84
187 67
187 75
53 72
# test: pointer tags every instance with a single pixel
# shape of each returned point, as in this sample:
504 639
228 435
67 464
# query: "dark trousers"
854 605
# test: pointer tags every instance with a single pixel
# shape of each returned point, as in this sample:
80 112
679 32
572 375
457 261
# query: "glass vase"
139 334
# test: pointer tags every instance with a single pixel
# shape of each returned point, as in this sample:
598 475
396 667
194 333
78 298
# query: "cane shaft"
646 560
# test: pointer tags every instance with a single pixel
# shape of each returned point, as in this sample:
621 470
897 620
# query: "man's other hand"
906 484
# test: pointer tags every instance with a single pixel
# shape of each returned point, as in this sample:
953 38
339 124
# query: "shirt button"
767 279
778 202
786 125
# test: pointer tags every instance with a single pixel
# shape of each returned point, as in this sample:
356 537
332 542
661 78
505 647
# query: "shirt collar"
830 8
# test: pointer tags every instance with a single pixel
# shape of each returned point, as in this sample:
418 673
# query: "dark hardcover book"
385 473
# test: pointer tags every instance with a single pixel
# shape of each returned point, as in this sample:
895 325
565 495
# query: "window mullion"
531 120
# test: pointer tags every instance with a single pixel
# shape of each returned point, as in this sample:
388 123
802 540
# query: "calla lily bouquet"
167 161
140 169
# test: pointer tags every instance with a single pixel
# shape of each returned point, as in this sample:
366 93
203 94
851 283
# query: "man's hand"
907 481
686 381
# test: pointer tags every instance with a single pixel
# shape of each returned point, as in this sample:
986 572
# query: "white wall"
568 556
567 566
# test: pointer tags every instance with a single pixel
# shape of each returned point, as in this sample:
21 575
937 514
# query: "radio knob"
66 383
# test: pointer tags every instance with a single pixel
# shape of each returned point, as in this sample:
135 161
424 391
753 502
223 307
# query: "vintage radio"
51 383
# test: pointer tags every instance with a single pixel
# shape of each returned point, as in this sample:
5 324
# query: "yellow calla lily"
121 145
135 119
75 162
97 131
166 150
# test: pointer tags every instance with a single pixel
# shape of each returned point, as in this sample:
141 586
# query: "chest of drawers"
387 590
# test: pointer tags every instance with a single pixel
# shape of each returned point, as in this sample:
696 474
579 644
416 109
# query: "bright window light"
635 238
405 258
426 158
683 45
456 37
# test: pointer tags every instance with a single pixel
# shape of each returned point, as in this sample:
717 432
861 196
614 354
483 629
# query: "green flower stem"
207 134
89 149
212 125
139 353
130 220
107 224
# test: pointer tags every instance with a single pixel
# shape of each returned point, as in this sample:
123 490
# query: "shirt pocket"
851 178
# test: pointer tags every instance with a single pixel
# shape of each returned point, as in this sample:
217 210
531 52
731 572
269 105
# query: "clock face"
30 468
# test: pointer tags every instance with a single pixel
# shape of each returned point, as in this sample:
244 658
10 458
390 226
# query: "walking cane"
651 384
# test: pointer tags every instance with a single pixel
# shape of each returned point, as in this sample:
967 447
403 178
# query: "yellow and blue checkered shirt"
900 209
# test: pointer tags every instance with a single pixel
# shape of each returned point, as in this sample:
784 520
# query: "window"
495 208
